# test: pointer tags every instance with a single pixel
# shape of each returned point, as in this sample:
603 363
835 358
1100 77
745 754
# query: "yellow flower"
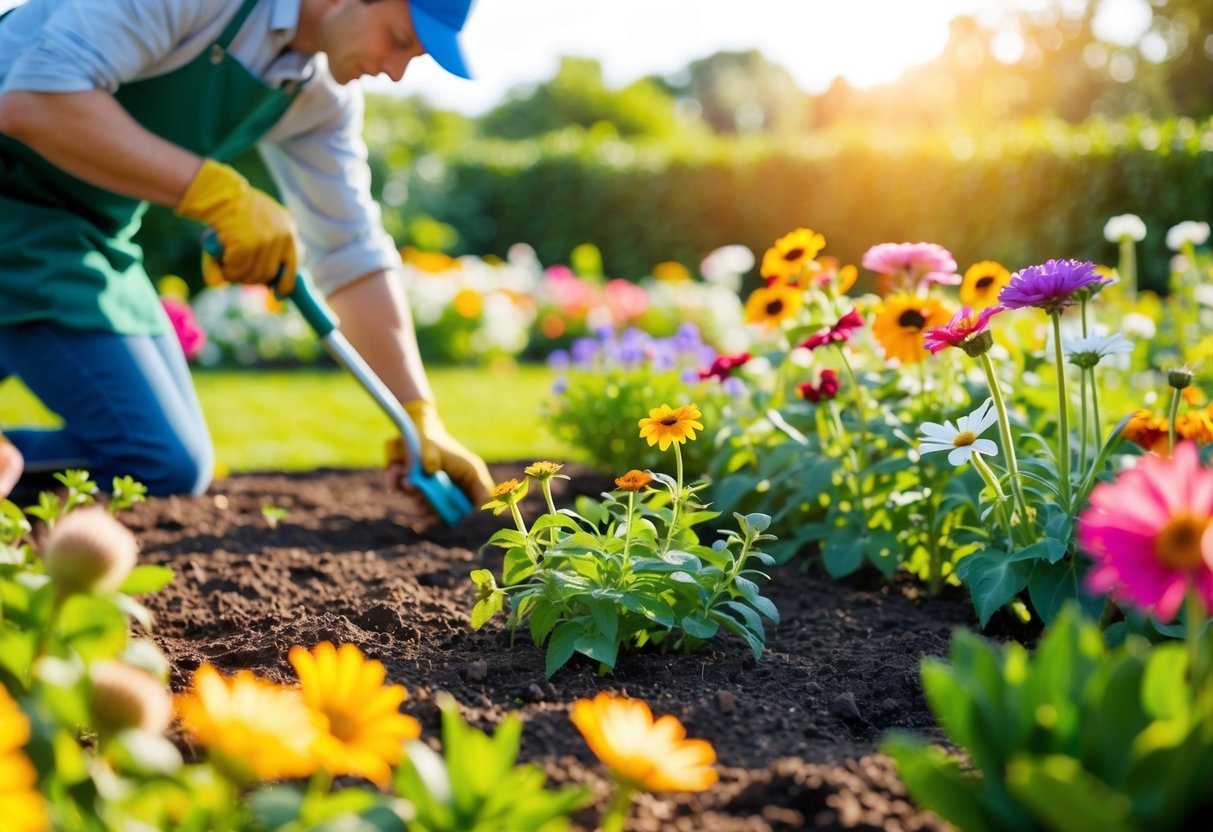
981 284
899 324
828 274
505 495
671 271
771 305
666 425
648 755
792 253
21 805
433 262
1196 425
543 470
634 480
366 731
254 729
468 303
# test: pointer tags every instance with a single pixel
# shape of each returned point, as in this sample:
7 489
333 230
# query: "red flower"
839 333
723 366
825 389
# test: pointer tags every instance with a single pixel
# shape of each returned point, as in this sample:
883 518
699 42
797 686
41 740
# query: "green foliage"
626 571
1076 736
477 784
274 514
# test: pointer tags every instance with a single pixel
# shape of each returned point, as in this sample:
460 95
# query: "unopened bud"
1179 378
124 696
89 551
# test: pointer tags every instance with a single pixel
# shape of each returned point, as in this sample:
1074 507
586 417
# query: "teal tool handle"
304 295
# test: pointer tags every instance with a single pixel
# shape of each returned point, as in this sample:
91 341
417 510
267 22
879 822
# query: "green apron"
67 250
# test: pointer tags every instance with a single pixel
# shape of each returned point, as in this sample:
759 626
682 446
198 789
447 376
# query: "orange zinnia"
634 480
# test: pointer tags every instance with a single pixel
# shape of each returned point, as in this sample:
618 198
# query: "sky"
515 43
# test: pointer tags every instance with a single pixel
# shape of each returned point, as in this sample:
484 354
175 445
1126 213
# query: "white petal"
931 447
984 446
960 456
935 431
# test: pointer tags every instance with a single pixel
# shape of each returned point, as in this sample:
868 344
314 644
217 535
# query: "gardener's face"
367 38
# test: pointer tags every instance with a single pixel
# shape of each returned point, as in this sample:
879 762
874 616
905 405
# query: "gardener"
106 105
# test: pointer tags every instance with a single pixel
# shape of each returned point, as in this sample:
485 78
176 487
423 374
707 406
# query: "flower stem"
669 534
1194 621
1128 267
1000 498
627 539
1008 444
1174 414
518 519
861 404
616 815
1063 414
547 495
1082 421
1096 425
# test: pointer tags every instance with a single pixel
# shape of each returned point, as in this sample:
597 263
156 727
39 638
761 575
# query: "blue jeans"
127 401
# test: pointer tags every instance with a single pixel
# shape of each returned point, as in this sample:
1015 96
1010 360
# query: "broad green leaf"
937 782
147 578
562 644
699 627
516 567
93 627
842 555
993 580
1065 797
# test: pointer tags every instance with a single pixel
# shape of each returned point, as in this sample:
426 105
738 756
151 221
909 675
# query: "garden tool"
446 498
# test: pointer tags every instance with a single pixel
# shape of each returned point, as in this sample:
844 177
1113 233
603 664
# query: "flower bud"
89 551
1179 378
124 696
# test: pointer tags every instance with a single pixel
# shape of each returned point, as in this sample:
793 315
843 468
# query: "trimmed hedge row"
1020 195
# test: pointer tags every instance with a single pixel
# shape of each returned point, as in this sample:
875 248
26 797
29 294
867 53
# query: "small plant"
627 570
80 491
125 492
274 514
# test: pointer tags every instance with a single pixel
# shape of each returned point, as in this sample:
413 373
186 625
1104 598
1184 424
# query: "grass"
302 419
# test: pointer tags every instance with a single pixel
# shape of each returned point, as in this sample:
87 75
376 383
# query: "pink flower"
826 388
909 265
839 333
191 336
963 326
1150 533
724 365
626 300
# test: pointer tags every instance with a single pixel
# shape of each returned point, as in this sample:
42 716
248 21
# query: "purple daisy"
1051 286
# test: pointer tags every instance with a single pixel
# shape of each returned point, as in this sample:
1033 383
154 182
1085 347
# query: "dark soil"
796 733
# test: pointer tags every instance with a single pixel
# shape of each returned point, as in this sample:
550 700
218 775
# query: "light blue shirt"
315 153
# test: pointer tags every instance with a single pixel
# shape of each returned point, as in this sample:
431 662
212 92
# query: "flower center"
964 439
1178 544
912 319
341 726
669 421
774 308
793 254
984 282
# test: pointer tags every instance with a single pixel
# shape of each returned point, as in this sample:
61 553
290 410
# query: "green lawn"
302 419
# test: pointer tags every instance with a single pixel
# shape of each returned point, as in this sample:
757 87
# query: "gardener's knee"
180 465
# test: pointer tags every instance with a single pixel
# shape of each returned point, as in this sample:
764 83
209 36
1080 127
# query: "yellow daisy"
366 731
899 324
981 284
253 729
645 754
666 425
792 253
771 305
24 810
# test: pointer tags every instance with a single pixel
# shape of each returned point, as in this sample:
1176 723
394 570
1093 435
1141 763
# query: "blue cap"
437 24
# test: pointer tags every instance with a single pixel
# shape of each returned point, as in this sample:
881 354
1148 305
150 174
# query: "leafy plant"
274 514
1076 736
626 571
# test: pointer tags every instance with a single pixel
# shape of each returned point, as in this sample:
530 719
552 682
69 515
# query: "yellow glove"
258 235
440 450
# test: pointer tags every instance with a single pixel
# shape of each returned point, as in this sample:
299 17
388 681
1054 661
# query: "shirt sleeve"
101 44
319 161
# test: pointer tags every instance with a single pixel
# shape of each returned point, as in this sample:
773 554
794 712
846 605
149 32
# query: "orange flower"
643 754
900 322
666 425
1148 430
1196 425
24 810
634 480
365 730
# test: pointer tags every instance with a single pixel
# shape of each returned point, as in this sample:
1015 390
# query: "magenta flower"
826 388
909 265
724 365
957 332
1150 533
1051 286
190 335
839 333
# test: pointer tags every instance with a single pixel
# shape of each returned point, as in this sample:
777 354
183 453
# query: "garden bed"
796 733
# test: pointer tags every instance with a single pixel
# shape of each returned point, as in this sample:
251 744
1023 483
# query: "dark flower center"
774 308
1178 544
984 282
793 254
912 319
669 421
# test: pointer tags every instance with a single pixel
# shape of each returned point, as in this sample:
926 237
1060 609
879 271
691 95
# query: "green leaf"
697 626
147 578
93 627
562 645
937 782
516 567
606 618
599 648
486 608
543 619
993 580
842 555
1066 797
277 806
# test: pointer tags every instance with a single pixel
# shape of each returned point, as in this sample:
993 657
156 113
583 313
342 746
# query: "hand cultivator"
447 500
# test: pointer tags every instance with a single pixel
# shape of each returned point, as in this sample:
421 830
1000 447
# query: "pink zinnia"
839 333
913 264
724 365
956 332
1150 533
190 335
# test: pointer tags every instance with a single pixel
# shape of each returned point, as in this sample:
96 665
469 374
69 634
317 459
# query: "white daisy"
1196 233
961 440
1125 227
1087 351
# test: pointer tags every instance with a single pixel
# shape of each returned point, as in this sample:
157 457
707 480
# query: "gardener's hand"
11 465
259 238
440 450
